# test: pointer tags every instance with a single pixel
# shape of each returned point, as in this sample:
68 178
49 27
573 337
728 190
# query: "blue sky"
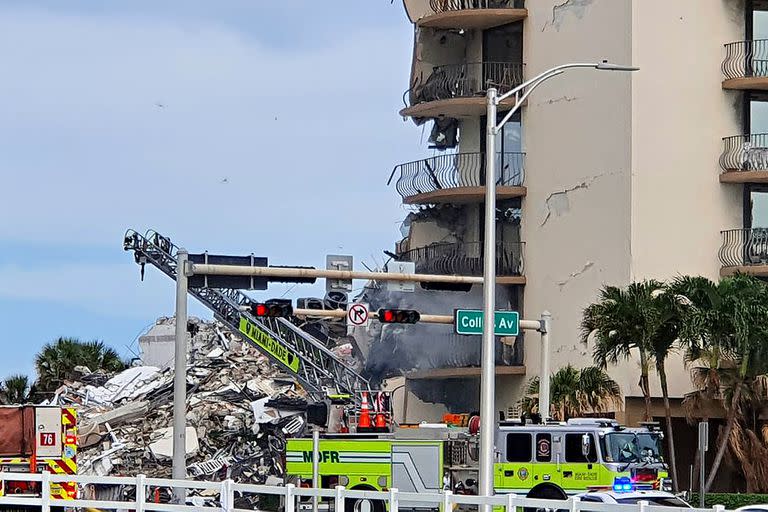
197 118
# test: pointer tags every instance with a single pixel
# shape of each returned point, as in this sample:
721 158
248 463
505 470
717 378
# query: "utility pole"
179 471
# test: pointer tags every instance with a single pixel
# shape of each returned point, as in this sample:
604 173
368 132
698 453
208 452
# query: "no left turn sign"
358 314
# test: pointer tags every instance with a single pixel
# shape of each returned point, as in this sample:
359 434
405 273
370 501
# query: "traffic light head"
398 316
272 308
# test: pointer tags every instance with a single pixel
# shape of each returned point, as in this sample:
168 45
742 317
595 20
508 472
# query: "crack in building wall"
559 203
558 100
588 265
559 11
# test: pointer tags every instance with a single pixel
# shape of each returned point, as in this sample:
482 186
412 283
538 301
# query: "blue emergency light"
622 484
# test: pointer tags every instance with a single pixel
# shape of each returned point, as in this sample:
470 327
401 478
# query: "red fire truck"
34 439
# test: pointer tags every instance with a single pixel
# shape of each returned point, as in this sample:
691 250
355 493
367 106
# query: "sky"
233 126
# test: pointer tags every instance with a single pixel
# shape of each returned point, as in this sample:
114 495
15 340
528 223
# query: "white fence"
292 497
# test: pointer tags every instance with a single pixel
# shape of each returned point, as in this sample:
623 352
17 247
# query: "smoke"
398 348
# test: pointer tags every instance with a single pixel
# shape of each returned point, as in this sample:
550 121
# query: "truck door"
48 441
418 468
515 472
579 471
548 455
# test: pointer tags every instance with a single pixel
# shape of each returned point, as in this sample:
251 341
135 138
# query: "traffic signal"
398 316
272 308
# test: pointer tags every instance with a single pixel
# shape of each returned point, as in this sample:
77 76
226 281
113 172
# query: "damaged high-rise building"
604 178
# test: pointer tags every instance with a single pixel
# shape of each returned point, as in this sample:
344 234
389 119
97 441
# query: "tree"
15 390
57 360
643 317
575 392
728 319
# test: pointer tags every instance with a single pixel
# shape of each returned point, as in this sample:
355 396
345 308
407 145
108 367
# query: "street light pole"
487 379
488 355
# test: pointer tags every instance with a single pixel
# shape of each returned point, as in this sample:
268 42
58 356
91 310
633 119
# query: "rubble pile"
240 410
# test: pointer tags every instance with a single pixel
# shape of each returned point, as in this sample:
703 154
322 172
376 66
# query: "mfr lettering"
325 456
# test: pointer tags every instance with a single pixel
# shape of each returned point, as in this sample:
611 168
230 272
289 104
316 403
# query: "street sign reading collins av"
470 321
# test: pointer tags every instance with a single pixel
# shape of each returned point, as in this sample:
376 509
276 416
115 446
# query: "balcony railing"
460 5
456 170
745 59
745 153
465 258
467 80
744 247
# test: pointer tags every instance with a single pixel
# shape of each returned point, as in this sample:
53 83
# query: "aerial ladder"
303 356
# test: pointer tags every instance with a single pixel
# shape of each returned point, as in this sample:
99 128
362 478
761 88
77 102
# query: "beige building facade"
606 178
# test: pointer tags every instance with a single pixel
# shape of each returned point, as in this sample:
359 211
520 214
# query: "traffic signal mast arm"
534 325
239 270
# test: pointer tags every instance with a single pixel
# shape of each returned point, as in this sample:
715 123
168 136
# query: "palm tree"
622 321
56 362
576 392
643 317
15 390
728 319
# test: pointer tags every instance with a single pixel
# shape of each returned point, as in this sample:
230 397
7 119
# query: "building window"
756 211
573 451
519 448
757 20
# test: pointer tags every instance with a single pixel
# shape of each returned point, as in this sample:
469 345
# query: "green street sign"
470 321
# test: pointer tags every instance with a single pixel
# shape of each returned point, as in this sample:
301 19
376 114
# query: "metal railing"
454 171
745 153
466 80
295 498
460 5
744 247
465 258
745 59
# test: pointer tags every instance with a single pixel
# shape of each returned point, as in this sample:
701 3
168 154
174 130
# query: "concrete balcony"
466 259
472 14
745 159
458 178
744 251
746 65
458 90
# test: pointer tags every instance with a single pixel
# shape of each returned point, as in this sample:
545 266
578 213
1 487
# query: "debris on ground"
240 409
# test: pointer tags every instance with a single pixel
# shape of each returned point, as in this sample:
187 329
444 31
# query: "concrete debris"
240 409
163 444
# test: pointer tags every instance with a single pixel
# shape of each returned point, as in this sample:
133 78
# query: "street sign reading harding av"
470 321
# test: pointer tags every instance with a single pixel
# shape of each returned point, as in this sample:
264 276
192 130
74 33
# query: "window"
591 499
573 449
758 207
656 500
519 448
543 447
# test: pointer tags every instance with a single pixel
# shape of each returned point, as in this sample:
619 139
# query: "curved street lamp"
487 362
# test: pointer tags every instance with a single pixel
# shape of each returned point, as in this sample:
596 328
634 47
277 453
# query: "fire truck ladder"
318 369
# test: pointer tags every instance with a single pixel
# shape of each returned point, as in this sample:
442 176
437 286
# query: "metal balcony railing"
460 5
744 59
745 153
466 80
744 247
465 258
454 171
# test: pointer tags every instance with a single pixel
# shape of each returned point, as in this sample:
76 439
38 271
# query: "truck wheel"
546 492
363 505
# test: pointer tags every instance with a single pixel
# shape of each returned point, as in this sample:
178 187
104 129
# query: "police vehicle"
624 492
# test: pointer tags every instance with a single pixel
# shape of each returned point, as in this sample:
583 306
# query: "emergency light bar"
622 484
